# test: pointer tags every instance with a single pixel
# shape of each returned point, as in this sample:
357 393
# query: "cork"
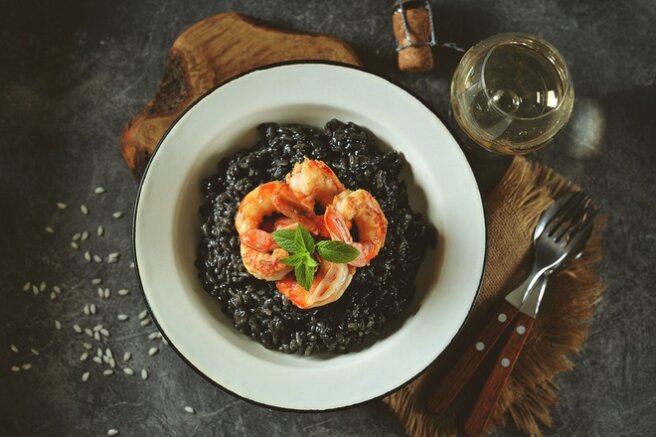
417 57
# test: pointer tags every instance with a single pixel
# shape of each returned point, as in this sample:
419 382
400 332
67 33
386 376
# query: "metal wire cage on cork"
412 23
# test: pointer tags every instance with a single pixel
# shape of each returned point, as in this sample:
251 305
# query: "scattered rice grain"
35 290
34 351
92 308
56 289
111 432
74 245
144 374
99 190
97 258
131 265
84 356
152 351
87 346
100 293
58 325
15 368
112 362
77 328
122 317
117 215
189 410
61 205
85 236
128 371
143 314
97 360
107 294
123 292
86 310
13 348
107 372
96 281
84 210
104 332
53 295
26 366
42 286
126 357
152 335
85 376
88 332
50 230
96 336
27 286
100 231
76 237
145 322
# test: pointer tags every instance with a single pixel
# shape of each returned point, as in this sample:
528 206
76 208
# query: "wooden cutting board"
209 53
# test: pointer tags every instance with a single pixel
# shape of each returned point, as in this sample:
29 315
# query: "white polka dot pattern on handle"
502 317
505 362
480 346
521 329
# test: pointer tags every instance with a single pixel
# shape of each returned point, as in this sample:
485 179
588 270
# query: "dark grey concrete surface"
72 72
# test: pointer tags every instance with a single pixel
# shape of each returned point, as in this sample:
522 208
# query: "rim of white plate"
167 204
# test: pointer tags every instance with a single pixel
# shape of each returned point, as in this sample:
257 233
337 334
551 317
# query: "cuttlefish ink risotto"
308 240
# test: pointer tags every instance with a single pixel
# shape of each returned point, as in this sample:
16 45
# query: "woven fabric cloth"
513 209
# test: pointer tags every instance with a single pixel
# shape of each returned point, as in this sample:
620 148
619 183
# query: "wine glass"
511 93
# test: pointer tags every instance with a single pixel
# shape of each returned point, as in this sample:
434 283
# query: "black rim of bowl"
136 263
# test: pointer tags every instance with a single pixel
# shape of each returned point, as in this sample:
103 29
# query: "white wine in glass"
512 93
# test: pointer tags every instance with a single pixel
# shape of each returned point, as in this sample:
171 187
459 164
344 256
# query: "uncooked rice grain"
96 281
77 328
126 357
26 366
97 258
117 214
122 317
112 432
85 236
144 374
13 348
61 205
27 286
85 376
123 292
99 190
100 231
84 210
189 409
152 351
50 230
108 372
58 325
128 371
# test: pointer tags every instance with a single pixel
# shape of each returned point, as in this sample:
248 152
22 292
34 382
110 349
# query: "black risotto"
378 292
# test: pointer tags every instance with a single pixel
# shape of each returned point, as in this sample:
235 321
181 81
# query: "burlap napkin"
513 209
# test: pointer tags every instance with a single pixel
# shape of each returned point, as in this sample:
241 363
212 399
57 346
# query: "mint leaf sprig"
301 247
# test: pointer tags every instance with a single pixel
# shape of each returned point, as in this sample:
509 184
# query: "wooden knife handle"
461 372
489 396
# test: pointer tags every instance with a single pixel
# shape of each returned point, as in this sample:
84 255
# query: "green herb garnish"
301 247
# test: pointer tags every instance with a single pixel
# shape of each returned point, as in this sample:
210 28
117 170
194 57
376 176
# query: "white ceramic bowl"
166 232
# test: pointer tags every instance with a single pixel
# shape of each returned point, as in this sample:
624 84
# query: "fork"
561 233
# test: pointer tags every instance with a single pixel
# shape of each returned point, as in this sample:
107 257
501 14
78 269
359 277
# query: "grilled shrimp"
259 253
362 208
329 284
313 180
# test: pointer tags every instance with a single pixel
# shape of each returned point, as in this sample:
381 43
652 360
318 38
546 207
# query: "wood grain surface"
207 54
